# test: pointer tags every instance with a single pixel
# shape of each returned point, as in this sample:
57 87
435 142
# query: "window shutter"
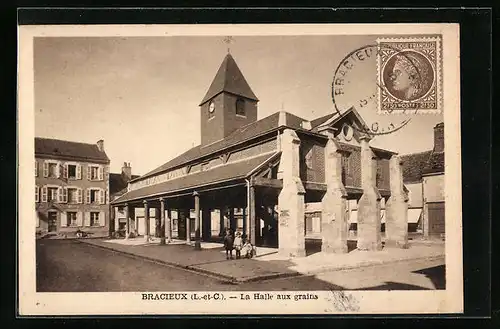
64 219
37 194
65 170
102 218
86 221
101 173
36 169
89 171
78 171
80 195
45 169
65 194
59 195
102 199
87 196
79 219
58 170
44 193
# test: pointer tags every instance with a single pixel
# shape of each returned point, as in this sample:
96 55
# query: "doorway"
52 221
436 218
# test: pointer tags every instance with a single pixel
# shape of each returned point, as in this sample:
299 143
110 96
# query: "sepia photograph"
266 168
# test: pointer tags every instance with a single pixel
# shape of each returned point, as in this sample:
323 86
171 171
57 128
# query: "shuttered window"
95 173
37 194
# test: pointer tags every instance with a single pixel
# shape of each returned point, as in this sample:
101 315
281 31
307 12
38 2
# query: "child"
228 244
248 249
238 244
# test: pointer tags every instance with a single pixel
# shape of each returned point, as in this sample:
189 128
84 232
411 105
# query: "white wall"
433 188
415 199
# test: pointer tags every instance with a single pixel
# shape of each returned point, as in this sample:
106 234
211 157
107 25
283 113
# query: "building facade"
423 175
71 188
288 176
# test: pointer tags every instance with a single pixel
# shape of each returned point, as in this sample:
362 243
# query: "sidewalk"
211 260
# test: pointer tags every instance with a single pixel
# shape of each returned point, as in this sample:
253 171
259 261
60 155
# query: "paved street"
65 265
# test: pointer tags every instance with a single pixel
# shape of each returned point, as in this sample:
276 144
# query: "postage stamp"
409 72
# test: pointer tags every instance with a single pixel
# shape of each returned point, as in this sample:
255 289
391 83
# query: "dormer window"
240 107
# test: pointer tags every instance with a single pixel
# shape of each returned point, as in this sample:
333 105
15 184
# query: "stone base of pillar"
162 241
291 239
334 223
146 238
397 244
197 245
369 224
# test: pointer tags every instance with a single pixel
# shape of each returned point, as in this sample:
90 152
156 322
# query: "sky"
141 94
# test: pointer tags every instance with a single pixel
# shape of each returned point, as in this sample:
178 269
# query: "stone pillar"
206 220
146 220
396 208
157 222
197 243
221 221
162 221
127 218
132 217
115 218
187 213
334 202
369 237
232 221
245 221
251 215
168 222
291 239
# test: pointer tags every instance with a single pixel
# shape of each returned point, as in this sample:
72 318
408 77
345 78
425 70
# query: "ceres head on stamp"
408 75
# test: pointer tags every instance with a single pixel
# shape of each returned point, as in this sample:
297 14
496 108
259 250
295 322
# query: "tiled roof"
242 134
435 163
245 133
318 121
413 164
230 171
229 79
118 183
68 149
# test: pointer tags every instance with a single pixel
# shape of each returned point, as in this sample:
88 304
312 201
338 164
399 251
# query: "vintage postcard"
239 169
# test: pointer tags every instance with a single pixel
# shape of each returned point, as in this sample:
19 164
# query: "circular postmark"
406 75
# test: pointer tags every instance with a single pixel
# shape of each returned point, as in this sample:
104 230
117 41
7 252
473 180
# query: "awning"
221 174
414 215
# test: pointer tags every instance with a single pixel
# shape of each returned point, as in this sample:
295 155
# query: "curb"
235 280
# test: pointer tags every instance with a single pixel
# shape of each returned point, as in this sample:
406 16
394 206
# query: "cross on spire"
228 40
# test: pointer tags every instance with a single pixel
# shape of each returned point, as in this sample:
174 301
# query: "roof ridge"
66 141
415 153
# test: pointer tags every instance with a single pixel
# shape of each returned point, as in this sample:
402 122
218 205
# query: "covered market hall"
276 179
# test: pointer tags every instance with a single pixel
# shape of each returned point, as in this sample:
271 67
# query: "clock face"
211 107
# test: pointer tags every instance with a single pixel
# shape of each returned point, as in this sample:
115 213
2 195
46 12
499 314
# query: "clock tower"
228 104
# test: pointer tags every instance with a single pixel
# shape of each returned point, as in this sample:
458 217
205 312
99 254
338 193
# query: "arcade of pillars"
225 200
289 197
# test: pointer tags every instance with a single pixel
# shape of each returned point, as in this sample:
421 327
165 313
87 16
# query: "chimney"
127 171
100 145
439 137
